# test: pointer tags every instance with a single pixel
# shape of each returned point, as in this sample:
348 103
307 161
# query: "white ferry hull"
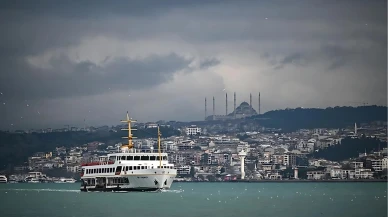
138 182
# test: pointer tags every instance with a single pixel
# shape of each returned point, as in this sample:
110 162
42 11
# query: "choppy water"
199 199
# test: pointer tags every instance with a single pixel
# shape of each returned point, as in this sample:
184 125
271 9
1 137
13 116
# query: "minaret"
226 103
355 129
234 106
205 109
250 100
242 154
214 108
259 103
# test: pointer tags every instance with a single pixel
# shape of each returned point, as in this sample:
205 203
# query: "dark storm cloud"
67 78
342 43
207 63
337 55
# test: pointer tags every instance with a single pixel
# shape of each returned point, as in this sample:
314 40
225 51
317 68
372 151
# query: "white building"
193 130
151 125
362 173
377 165
315 175
289 160
183 170
385 163
335 173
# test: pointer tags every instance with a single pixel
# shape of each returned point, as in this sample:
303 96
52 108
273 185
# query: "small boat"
3 179
35 177
32 180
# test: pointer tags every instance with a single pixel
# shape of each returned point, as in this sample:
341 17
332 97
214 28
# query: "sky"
89 62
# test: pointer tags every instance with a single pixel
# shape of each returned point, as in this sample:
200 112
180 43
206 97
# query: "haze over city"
63 63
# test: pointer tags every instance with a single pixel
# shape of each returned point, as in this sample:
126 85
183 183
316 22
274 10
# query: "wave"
171 191
38 190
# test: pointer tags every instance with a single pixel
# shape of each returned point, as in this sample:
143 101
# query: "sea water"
199 199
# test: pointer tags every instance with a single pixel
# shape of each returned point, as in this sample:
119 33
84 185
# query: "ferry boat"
129 170
3 179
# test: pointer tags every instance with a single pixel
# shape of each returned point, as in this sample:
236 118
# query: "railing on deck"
97 163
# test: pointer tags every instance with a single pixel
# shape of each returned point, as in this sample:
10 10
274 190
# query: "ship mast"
160 157
130 135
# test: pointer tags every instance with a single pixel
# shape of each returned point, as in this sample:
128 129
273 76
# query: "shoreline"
300 180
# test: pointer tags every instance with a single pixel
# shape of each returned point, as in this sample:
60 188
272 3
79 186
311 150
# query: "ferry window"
138 167
130 167
137 157
99 170
134 168
123 157
142 167
144 158
129 157
152 157
112 158
157 158
126 180
164 157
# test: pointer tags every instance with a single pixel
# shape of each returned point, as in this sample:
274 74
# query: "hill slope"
337 117
15 148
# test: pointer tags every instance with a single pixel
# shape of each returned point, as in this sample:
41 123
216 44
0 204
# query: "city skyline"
62 64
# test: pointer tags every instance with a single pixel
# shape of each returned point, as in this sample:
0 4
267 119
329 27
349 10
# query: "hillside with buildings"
212 150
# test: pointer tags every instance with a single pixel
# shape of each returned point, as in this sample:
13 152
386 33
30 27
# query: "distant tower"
205 109
250 100
234 107
355 129
242 154
214 108
296 173
226 103
259 104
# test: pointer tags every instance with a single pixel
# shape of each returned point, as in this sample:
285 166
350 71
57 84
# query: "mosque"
243 110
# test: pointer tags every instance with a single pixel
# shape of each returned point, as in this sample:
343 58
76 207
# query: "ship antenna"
130 135
160 158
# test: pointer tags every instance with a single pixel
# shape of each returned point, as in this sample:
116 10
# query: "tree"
201 177
211 178
192 171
